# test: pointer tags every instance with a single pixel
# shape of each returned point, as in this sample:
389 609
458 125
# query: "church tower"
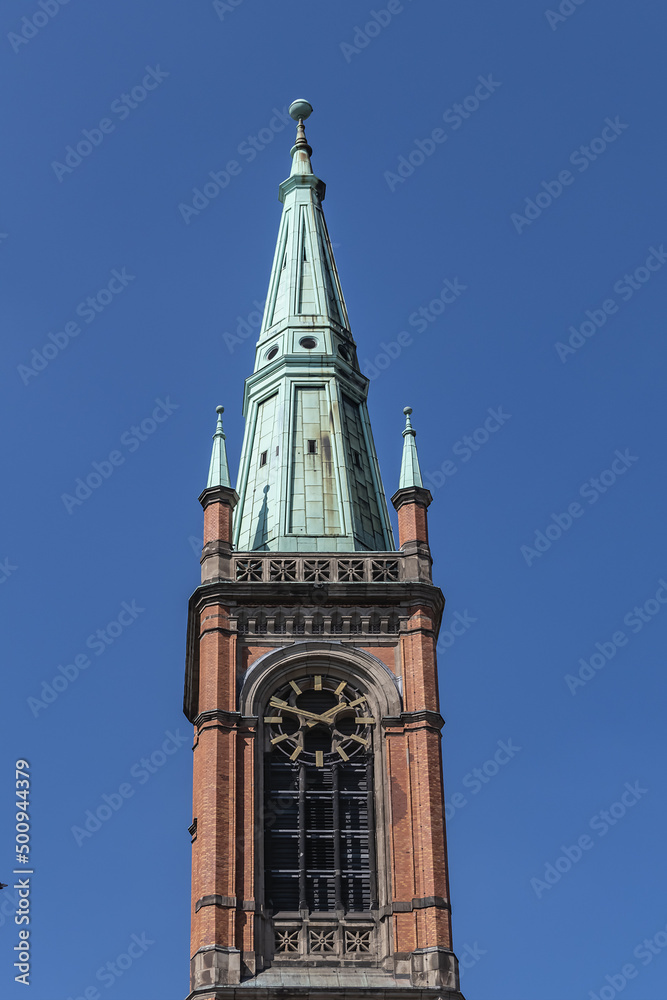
319 860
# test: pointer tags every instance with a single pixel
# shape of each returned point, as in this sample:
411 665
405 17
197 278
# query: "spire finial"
218 473
410 471
300 110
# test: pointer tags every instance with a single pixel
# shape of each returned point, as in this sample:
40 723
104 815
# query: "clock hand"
326 717
276 703
341 705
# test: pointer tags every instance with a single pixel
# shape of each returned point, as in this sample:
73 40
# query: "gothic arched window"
319 847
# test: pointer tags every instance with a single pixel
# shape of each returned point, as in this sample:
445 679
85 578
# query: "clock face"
319 720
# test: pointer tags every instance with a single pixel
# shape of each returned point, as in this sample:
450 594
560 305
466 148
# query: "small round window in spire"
344 352
308 343
272 353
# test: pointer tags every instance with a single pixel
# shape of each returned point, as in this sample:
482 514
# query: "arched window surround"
383 689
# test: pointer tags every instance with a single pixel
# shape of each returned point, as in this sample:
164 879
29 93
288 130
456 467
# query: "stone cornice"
219 494
412 494
321 993
243 593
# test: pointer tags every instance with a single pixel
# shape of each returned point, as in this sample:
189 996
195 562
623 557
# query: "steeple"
319 855
218 473
304 285
309 479
410 471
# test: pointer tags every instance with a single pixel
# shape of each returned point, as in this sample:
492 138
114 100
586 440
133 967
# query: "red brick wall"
420 677
414 771
218 522
412 523
224 773
223 851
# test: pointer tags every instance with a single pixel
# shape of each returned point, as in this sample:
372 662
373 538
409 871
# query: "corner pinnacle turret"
410 471
218 473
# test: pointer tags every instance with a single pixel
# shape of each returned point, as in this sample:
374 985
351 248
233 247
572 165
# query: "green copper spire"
410 471
304 287
309 479
218 473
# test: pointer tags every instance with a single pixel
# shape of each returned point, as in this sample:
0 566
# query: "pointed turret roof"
410 471
309 479
218 473
304 286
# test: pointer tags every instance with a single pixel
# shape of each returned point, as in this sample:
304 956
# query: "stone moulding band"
418 903
225 902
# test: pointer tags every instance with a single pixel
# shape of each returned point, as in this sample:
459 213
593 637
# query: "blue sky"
534 201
